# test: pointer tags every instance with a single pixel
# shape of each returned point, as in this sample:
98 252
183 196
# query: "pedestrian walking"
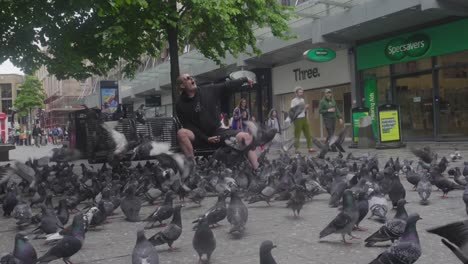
301 124
330 113
36 133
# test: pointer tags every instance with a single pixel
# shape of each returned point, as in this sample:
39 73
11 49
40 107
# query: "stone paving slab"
297 239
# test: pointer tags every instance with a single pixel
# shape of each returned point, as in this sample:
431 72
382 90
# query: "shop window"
6 106
413 66
383 71
5 90
459 58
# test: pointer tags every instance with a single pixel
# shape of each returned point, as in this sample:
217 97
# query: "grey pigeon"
378 206
465 198
10 201
162 213
237 214
459 178
393 229
297 200
424 189
266 194
455 237
198 194
131 205
144 252
344 222
412 177
363 209
407 250
397 191
22 213
49 221
425 154
69 245
62 212
204 241
216 213
265 252
336 191
445 184
171 232
465 168
292 115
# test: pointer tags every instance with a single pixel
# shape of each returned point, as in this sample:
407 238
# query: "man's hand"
214 139
307 106
341 121
250 82
332 110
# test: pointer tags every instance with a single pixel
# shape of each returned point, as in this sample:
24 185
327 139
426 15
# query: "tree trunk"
172 38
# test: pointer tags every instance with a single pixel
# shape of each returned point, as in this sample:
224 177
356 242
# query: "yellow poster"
389 126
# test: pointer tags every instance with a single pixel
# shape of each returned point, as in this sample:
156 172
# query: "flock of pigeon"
358 186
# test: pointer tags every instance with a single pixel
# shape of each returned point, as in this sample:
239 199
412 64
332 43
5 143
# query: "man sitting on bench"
198 112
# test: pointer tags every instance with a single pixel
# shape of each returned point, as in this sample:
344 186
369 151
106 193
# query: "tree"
31 96
90 36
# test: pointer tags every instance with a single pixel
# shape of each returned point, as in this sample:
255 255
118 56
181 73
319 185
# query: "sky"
7 67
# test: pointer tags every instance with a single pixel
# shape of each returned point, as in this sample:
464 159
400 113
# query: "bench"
160 129
5 151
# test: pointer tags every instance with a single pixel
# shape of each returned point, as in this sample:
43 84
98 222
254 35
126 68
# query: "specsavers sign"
389 126
435 41
414 46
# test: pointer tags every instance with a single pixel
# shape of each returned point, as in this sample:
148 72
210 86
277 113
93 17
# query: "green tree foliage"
90 36
31 96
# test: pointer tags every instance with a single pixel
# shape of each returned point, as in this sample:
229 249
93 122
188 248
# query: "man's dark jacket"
201 114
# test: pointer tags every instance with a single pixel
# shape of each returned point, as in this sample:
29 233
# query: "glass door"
452 103
415 97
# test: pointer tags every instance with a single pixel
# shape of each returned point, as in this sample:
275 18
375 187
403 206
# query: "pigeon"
23 214
131 205
10 201
424 189
171 233
292 115
216 213
297 200
198 194
49 221
162 213
62 212
237 214
204 241
344 222
69 245
455 237
397 191
407 250
336 191
119 139
265 252
425 154
144 252
392 229
459 178
363 209
445 184
23 253
465 198
266 194
465 168
412 177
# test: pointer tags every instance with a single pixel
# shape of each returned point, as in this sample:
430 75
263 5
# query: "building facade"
9 90
62 97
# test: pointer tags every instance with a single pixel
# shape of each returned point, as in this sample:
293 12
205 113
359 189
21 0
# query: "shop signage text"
320 55
301 75
414 46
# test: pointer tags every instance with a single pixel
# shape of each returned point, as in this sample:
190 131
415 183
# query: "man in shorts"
198 112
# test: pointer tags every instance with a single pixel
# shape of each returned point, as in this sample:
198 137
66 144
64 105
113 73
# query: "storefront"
424 72
314 77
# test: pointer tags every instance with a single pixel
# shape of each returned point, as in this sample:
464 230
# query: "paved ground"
297 239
